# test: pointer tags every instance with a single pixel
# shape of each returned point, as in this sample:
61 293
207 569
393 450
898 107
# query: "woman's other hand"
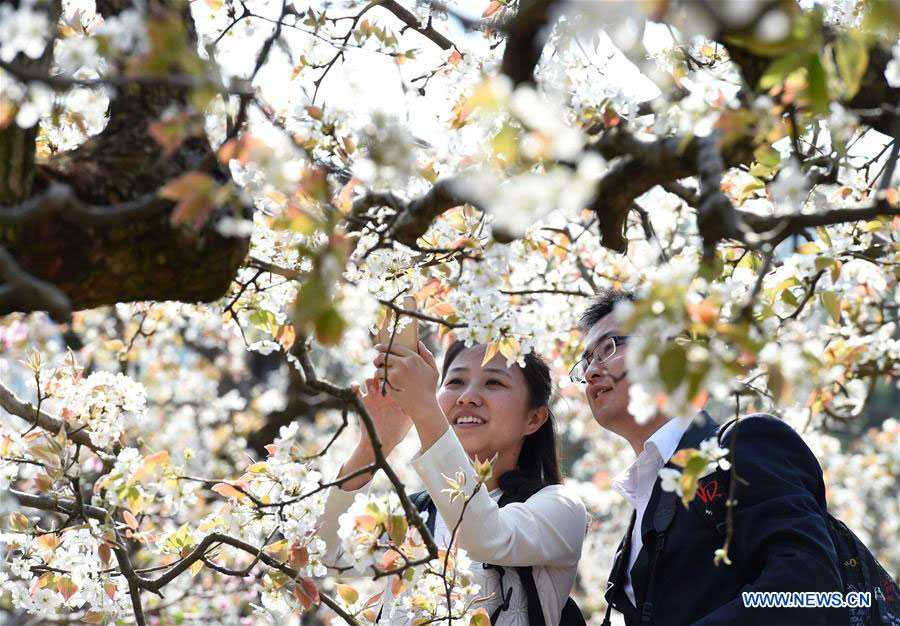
391 422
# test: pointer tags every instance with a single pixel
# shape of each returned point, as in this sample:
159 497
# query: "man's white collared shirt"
635 482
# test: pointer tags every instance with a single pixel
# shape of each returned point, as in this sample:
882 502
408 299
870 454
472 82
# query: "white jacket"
546 532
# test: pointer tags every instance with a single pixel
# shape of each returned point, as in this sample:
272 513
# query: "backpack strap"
535 610
504 595
724 428
665 512
423 502
605 621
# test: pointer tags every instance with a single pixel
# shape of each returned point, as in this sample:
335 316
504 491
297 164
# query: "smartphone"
408 335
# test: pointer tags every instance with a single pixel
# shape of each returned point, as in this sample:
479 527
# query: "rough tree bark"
122 260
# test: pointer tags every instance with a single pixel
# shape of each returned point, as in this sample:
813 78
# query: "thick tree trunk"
148 259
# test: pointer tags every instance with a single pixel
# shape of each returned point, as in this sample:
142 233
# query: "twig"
731 502
418 315
272 268
746 312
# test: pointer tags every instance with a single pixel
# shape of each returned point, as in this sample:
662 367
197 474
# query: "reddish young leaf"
306 592
130 519
105 553
299 556
66 587
170 133
224 489
193 193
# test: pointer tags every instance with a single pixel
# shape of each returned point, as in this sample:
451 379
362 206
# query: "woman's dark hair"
538 464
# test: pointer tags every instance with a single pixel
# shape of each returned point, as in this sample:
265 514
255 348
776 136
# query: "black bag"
571 614
859 569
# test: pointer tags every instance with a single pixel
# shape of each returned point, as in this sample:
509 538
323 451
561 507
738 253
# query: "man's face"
606 385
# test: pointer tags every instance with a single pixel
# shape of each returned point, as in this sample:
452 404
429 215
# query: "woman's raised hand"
391 423
409 377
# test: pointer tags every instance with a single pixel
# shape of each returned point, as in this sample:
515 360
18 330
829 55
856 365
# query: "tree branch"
60 198
418 315
414 217
284 272
527 32
716 216
51 424
797 223
63 82
23 291
69 507
412 21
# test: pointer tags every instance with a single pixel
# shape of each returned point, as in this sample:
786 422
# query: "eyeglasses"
602 353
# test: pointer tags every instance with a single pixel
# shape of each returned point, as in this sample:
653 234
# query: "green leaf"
759 171
330 327
195 196
776 381
823 261
711 269
883 17
789 298
311 301
44 453
672 366
755 184
264 320
818 85
780 69
852 55
768 156
18 522
481 618
690 478
832 302
396 527
871 226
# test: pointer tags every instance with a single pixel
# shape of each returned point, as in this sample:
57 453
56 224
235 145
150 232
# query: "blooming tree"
206 208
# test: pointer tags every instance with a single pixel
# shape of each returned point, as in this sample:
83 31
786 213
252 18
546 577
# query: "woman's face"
488 406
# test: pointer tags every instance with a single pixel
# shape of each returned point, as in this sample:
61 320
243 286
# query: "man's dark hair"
602 305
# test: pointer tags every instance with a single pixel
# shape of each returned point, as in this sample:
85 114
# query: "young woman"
479 411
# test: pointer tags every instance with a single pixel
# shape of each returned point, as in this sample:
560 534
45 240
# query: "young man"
780 540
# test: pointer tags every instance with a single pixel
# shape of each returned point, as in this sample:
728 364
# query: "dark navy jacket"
780 540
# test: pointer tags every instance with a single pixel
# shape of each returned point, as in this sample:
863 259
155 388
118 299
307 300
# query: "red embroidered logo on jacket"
709 491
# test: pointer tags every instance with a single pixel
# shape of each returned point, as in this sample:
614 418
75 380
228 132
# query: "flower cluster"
106 403
61 570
